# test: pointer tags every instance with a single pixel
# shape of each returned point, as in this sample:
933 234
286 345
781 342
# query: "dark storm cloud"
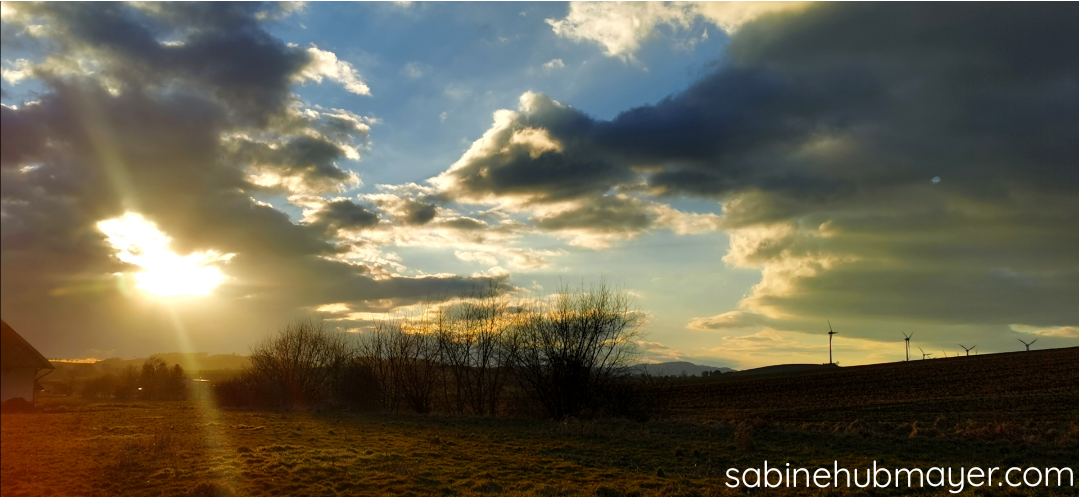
219 46
311 160
929 255
419 212
824 103
981 94
820 133
21 137
543 153
154 130
607 214
344 214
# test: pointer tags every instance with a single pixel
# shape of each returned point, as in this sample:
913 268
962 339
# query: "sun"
138 241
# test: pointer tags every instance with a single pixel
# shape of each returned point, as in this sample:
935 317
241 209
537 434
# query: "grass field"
991 410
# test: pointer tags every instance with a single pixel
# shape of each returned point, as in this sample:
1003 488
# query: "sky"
189 177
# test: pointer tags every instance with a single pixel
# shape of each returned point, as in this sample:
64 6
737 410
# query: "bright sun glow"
139 242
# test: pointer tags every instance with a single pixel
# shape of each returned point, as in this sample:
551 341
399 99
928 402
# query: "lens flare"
138 241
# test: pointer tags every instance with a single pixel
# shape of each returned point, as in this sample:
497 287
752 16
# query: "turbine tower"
1028 344
968 349
830 333
906 338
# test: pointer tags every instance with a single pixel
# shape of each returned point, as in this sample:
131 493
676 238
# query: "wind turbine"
830 333
925 354
968 349
1028 344
906 338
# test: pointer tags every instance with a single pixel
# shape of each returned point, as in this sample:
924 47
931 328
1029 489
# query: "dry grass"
190 449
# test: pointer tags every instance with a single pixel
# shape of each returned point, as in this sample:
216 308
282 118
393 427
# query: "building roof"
16 352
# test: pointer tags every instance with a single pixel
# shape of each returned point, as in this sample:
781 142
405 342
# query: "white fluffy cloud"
553 65
325 64
621 27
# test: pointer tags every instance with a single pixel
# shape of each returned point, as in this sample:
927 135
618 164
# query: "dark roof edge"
39 360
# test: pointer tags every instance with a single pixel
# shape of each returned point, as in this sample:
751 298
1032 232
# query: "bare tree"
374 353
301 363
402 355
575 345
414 360
477 343
568 355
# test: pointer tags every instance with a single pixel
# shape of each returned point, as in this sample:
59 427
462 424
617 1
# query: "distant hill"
788 368
203 362
193 363
1011 387
678 368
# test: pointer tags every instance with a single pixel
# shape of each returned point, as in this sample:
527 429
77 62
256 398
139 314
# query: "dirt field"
1001 410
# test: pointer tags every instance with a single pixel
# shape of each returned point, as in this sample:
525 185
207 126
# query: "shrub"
576 347
743 438
300 365
482 355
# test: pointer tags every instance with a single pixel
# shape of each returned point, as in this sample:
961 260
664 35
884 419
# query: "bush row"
487 355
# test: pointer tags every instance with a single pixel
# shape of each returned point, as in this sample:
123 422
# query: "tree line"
154 381
488 354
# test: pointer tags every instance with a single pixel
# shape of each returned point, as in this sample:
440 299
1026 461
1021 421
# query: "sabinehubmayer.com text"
956 480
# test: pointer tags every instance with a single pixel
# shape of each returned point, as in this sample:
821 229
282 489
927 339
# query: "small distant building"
20 363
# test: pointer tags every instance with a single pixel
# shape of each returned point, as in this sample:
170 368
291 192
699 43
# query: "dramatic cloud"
179 114
544 159
523 158
896 161
886 166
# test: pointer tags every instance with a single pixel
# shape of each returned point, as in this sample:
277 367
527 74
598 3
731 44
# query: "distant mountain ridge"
678 368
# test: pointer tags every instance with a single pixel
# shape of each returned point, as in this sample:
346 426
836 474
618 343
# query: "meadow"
989 410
